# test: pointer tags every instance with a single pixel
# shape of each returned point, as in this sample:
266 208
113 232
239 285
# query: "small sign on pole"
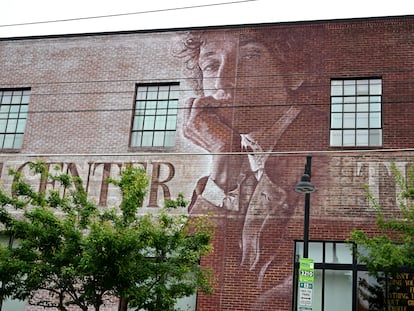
306 279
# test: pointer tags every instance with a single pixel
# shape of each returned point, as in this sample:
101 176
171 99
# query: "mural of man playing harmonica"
245 83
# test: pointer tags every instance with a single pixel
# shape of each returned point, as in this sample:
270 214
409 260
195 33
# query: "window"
356 112
342 283
14 105
155 115
334 271
9 304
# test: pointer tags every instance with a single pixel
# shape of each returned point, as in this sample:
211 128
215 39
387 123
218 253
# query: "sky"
48 17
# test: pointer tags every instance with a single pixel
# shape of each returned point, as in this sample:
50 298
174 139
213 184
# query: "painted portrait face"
241 71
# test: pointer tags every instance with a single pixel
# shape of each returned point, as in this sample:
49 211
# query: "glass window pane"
16 99
162 107
18 141
138 123
172 106
362 87
375 107
186 303
349 87
25 99
24 109
338 290
315 251
362 120
338 253
375 87
317 291
163 92
336 120
375 137
136 139
349 138
18 93
171 123
362 107
152 92
375 99
6 100
336 88
375 120
169 138
350 100
140 107
4 109
150 108
8 141
349 120
13 115
336 107
362 138
11 126
149 123
158 139
22 115
362 99
147 139
142 92
174 89
14 304
20 125
160 122
3 124
336 138
14 109
349 107
337 100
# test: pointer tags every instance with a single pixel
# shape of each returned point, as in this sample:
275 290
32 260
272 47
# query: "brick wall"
80 112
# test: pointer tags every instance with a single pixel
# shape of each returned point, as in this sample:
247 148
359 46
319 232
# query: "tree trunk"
123 304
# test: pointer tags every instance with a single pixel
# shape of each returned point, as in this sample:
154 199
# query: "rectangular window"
155 115
356 113
14 105
342 283
335 265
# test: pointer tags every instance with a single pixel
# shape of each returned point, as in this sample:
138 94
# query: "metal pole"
306 227
307 208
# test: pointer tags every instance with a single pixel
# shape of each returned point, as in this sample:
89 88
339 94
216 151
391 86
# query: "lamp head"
305 186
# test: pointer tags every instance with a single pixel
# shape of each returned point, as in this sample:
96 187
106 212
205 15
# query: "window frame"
355 267
155 115
14 109
356 112
324 266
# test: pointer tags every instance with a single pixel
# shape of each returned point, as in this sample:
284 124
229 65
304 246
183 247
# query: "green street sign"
306 285
306 270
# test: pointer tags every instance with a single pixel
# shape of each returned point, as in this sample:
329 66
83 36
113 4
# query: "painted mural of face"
245 84
239 72
241 83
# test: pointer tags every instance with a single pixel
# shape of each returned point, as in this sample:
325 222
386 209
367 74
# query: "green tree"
72 253
392 248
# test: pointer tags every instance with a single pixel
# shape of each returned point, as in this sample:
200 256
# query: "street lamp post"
306 187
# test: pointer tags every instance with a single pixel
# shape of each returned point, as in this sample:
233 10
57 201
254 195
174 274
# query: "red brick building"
227 115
